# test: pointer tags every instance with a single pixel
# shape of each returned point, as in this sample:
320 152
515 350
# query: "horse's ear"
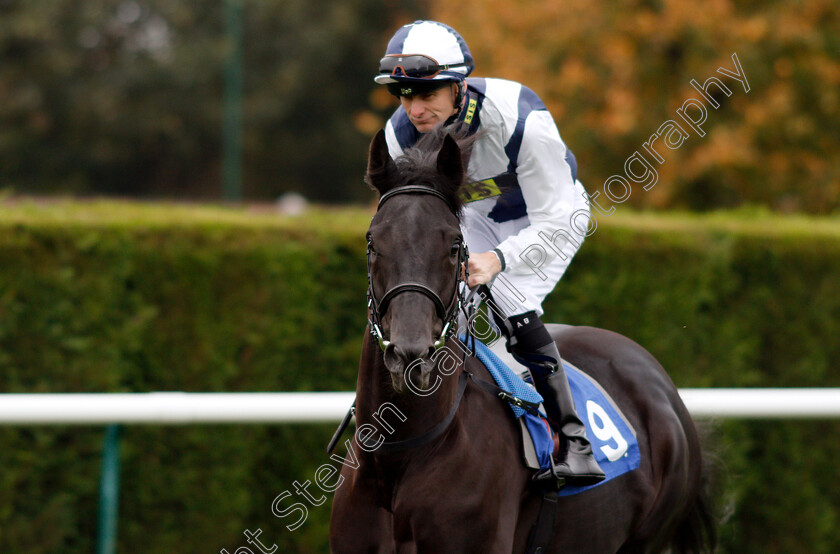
381 169
449 162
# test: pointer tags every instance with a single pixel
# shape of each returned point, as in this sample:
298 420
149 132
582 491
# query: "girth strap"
543 530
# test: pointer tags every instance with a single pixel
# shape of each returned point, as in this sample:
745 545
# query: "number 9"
604 428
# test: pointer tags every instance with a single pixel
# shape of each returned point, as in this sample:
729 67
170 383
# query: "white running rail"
178 408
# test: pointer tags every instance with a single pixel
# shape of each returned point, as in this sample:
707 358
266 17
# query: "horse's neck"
399 416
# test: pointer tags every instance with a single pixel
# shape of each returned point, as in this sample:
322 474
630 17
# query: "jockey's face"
430 109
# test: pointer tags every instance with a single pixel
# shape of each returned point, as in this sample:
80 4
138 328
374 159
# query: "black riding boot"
579 467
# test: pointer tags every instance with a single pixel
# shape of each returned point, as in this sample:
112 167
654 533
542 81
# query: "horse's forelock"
418 165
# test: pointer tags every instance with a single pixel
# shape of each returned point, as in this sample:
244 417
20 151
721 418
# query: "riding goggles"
416 66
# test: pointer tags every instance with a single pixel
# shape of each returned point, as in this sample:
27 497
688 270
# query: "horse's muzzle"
409 364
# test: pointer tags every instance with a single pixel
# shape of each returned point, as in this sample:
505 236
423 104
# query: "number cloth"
612 437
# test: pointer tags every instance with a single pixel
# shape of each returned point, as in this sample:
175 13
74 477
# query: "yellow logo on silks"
479 190
470 111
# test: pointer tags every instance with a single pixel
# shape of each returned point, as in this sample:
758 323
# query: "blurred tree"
124 96
613 74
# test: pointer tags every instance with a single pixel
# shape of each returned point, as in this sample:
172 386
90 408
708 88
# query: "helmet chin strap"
458 105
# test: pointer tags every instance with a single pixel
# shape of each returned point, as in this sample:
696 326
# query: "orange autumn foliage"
611 74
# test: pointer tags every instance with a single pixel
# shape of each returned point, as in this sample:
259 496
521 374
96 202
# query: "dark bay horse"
436 463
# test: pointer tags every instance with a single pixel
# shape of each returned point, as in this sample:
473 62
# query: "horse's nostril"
392 355
411 353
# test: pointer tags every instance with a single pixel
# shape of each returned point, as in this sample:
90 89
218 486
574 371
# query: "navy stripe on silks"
395 46
572 161
510 205
478 84
476 88
407 134
528 102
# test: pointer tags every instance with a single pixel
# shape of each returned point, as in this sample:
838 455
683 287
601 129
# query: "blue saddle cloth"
612 437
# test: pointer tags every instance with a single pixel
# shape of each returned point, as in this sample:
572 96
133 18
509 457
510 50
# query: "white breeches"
516 293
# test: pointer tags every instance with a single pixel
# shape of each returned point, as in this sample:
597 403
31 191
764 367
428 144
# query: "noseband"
447 313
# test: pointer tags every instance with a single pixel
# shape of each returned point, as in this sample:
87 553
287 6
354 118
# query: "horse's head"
415 254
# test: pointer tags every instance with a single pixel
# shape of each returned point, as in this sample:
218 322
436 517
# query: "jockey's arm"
548 188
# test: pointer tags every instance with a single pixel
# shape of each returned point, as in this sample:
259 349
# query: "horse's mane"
418 164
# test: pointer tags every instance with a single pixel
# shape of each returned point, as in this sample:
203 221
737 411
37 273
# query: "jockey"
518 213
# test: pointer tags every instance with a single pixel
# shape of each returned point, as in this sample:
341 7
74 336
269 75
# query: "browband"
418 189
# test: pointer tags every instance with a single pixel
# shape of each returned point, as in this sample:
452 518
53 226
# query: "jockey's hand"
483 267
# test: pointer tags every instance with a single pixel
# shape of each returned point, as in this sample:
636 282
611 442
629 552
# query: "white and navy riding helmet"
424 55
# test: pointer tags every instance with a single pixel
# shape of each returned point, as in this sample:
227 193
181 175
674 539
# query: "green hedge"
100 297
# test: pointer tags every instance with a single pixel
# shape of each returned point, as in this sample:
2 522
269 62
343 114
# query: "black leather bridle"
448 313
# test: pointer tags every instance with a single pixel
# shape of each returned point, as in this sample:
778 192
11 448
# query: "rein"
434 432
447 313
437 430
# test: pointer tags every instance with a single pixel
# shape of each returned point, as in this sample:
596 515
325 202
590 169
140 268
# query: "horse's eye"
456 248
